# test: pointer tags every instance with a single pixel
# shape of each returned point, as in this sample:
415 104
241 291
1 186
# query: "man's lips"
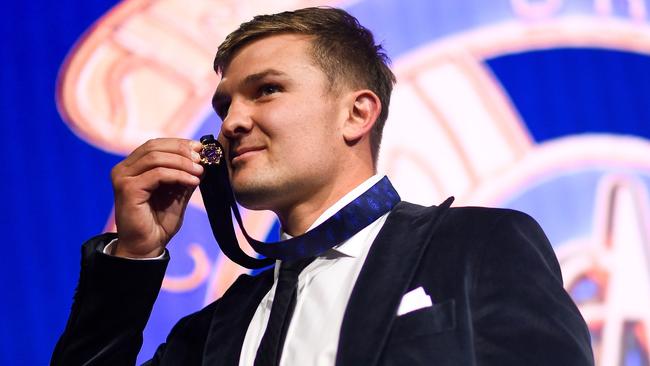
241 152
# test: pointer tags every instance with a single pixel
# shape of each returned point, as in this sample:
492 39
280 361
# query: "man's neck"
300 217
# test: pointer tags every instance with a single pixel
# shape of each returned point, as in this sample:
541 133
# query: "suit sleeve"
111 307
522 314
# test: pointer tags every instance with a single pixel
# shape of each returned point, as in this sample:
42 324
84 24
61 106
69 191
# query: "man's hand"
152 187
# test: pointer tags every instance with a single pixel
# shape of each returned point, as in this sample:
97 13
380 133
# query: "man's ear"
364 110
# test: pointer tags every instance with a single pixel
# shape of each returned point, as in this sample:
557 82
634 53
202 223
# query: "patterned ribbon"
219 200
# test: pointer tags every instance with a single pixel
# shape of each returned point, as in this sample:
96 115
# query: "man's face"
281 123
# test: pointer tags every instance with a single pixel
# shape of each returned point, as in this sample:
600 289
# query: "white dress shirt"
324 288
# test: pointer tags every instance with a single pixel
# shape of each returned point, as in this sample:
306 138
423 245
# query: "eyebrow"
254 78
248 80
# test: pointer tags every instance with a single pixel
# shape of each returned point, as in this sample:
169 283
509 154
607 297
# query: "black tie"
284 302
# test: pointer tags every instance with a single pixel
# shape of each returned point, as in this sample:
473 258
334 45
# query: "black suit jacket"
491 273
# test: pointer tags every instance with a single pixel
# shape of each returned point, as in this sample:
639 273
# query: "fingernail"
198 167
195 145
195 156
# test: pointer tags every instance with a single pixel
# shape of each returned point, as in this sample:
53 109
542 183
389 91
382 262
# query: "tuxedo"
495 284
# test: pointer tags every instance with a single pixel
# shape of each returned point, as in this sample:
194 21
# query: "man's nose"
237 122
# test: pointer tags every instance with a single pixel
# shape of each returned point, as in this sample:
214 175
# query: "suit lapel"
232 317
386 273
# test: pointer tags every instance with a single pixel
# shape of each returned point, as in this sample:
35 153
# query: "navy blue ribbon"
219 200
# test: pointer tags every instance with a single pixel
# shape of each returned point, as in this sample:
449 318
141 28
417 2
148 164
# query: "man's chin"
254 195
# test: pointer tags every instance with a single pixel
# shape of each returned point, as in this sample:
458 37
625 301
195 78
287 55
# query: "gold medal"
211 151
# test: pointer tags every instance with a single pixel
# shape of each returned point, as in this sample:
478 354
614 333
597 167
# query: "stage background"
535 105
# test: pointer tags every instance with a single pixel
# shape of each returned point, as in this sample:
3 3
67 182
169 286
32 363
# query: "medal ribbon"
219 200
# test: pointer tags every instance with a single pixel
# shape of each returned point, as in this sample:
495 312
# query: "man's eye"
222 110
268 89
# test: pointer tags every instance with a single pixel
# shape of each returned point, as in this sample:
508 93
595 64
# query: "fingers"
161 161
173 153
139 189
154 178
182 147
155 159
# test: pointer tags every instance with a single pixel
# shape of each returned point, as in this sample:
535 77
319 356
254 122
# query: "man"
303 99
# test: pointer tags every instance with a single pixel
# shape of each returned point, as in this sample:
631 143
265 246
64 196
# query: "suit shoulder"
493 215
474 215
472 230
493 225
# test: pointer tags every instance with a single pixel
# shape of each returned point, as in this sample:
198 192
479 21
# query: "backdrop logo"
144 71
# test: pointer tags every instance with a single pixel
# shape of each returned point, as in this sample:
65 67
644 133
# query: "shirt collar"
351 248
